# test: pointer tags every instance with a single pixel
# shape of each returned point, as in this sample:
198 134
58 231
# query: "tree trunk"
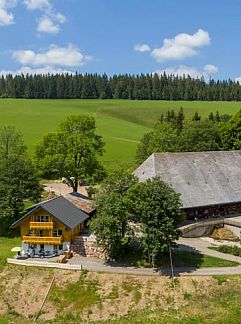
75 185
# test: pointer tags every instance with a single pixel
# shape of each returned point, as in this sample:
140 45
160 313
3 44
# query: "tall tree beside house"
111 223
72 152
18 180
157 207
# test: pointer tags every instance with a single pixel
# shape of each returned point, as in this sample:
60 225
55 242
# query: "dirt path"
60 188
199 245
125 139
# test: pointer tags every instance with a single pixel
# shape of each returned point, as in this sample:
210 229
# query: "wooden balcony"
41 225
42 240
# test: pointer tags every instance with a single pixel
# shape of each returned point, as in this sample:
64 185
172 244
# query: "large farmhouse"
50 226
209 182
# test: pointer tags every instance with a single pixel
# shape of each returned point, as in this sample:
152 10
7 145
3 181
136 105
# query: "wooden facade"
40 230
50 226
220 210
41 227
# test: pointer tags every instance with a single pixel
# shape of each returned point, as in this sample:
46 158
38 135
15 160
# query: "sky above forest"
195 37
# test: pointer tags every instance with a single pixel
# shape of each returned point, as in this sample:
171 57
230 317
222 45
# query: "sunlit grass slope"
121 122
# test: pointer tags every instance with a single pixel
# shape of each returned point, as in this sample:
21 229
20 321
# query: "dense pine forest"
141 87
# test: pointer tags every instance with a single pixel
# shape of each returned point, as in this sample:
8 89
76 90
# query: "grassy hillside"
87 297
121 122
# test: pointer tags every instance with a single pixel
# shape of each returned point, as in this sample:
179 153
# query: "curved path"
201 246
185 244
184 271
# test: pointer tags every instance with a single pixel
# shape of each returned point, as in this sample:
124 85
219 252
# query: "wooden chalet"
50 226
209 182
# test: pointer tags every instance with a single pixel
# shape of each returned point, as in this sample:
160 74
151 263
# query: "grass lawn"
180 259
122 123
233 250
6 244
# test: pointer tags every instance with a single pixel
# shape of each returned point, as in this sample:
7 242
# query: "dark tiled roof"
202 178
60 208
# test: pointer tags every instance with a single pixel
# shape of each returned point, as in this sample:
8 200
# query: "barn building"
209 182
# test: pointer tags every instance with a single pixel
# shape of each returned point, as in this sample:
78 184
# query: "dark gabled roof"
60 208
202 178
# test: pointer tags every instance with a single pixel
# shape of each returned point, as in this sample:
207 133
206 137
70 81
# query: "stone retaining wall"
86 246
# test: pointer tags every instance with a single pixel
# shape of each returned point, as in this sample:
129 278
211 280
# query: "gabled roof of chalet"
60 208
202 178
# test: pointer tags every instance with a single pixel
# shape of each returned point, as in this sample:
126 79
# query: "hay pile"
224 234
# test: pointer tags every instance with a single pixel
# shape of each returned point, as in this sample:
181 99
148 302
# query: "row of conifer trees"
141 87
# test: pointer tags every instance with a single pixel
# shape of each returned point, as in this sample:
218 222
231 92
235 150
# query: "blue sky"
199 37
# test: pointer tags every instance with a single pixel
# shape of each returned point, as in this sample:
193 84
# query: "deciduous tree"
72 151
111 223
18 180
157 207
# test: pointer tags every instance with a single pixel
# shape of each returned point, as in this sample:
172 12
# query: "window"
61 247
59 232
41 233
42 218
32 246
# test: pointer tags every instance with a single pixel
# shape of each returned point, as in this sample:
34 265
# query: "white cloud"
142 48
42 70
46 25
181 46
60 18
238 79
69 56
206 71
50 20
209 68
6 17
37 4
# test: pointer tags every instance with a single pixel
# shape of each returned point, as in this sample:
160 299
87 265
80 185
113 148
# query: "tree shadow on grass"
182 260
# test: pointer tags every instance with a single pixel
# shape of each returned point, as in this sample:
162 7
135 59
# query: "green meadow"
122 123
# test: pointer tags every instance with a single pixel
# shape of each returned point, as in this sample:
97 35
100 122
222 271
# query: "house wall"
67 234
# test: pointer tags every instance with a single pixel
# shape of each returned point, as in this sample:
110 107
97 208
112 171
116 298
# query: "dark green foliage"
122 86
157 207
180 119
18 179
211 116
196 117
173 134
234 250
111 225
231 133
199 136
144 149
72 152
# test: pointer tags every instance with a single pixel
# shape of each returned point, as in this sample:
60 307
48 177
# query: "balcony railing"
41 225
42 240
